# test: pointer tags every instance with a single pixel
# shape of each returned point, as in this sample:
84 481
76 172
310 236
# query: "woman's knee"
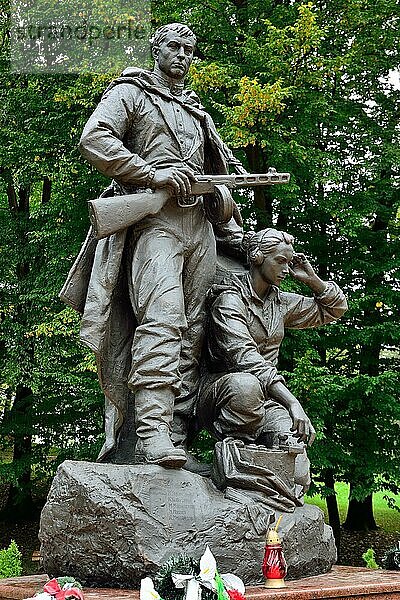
242 391
244 385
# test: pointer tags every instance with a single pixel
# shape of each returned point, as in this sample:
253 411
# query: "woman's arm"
328 304
302 425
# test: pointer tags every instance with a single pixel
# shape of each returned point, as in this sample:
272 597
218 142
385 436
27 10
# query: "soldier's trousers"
173 265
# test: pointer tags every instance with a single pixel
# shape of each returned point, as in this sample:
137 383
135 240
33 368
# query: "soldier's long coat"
97 285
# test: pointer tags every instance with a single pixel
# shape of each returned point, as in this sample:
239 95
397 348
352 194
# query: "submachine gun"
112 214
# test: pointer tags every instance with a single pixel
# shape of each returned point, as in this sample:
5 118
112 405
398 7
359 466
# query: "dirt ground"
25 533
355 543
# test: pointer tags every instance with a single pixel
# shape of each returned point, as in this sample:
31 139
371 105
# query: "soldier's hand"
177 179
302 426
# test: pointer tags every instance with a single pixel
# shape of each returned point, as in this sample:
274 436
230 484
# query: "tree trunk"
360 515
19 502
12 198
18 419
333 509
46 190
5 174
262 195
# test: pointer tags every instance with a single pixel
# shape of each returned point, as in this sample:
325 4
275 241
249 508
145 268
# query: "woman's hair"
259 244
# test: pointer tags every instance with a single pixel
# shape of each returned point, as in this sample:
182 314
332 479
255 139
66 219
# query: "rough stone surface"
110 525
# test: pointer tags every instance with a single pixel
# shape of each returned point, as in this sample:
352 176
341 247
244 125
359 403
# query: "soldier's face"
275 267
174 55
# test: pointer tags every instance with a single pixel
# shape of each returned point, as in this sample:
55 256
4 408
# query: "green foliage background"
10 561
305 87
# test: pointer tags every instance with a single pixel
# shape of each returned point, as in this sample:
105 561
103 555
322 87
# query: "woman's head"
259 244
270 252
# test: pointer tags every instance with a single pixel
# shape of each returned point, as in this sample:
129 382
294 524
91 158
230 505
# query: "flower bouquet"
222 587
62 588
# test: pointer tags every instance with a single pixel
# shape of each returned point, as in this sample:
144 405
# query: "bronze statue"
141 282
243 396
141 290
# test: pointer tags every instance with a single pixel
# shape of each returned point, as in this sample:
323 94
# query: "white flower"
190 585
44 596
206 578
147 591
41 596
233 582
208 566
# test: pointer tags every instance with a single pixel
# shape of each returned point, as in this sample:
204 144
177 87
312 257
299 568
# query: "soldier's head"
172 47
270 253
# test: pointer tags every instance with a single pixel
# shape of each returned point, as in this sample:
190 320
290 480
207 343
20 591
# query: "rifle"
112 214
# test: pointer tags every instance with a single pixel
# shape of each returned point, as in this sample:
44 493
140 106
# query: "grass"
388 519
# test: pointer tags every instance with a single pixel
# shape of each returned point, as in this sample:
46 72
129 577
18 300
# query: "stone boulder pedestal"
110 525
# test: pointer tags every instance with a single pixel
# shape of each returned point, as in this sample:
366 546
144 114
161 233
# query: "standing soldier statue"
141 290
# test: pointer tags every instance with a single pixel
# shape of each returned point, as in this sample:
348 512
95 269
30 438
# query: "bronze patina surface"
142 290
184 342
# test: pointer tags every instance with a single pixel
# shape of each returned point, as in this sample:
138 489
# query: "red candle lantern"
274 565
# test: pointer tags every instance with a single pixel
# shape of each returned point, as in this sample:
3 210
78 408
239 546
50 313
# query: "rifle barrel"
205 183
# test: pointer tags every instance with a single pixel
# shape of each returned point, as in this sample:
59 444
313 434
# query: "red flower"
53 588
235 595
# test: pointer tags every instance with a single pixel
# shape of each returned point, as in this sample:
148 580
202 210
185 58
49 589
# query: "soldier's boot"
154 414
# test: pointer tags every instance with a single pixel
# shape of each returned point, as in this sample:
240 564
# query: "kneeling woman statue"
243 396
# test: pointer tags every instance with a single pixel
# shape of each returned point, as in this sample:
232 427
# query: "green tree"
303 87
307 87
50 402
10 561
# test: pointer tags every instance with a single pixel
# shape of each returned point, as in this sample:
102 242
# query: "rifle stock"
112 214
